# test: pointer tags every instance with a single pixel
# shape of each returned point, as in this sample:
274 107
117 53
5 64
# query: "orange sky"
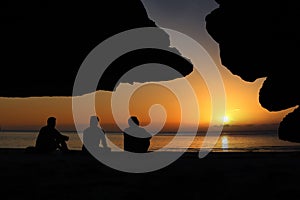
242 106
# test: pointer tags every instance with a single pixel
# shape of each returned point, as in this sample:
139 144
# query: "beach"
219 175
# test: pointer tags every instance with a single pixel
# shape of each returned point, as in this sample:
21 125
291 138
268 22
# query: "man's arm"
103 138
60 136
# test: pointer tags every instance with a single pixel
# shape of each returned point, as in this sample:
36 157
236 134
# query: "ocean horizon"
228 141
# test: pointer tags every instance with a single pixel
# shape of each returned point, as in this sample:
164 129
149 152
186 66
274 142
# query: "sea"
236 141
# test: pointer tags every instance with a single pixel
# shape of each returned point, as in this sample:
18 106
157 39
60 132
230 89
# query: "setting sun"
226 119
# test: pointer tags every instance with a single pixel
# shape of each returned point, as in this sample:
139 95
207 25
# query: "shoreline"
229 175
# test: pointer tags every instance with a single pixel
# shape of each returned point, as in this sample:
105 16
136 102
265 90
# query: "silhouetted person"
136 138
50 139
93 136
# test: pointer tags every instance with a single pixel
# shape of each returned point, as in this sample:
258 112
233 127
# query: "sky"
243 110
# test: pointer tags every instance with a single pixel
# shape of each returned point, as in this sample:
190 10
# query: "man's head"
94 121
51 121
133 121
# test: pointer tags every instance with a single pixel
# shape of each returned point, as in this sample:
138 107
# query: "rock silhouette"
260 39
43 43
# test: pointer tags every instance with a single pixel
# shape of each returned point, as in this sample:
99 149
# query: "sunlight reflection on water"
224 140
238 141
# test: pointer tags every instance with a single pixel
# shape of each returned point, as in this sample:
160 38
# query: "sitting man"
136 138
93 136
50 139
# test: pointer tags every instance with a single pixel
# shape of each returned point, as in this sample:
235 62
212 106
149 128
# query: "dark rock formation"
289 128
261 39
43 43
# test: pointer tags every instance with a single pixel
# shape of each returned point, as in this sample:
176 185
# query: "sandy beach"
228 175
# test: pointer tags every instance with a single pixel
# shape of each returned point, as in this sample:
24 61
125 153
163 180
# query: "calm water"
228 141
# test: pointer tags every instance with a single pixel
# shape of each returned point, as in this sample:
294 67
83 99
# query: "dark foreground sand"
236 175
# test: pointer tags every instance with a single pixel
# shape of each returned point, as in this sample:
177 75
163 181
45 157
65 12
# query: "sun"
226 119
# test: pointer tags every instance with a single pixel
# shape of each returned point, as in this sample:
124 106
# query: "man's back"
136 139
92 136
47 139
